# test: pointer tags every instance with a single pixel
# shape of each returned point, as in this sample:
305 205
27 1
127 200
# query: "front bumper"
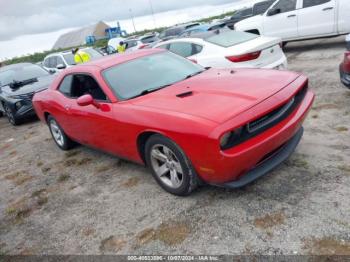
223 167
344 77
279 156
25 110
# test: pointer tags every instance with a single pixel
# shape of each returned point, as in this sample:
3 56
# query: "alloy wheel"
166 166
9 115
56 132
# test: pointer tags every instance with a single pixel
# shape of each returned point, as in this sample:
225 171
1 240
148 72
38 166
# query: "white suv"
300 19
62 60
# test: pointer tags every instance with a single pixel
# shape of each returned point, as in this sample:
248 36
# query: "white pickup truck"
300 19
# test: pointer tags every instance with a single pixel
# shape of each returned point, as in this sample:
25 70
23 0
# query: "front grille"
278 114
269 120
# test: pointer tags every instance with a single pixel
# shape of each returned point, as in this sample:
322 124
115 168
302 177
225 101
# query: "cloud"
18 17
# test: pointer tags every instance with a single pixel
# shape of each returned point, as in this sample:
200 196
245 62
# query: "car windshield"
243 12
172 32
149 73
262 7
23 73
69 59
230 38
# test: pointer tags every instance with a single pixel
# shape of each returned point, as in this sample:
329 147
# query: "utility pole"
132 18
152 10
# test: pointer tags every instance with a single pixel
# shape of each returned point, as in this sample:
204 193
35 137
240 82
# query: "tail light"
346 63
244 58
142 46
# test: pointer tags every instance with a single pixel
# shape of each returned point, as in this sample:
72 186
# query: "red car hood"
218 95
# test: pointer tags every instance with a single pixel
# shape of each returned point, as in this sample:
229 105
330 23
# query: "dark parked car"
175 31
202 28
345 70
257 9
18 84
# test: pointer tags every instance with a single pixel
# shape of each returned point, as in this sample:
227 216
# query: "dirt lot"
86 202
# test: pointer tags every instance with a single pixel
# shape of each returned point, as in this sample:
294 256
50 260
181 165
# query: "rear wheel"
170 166
58 135
10 115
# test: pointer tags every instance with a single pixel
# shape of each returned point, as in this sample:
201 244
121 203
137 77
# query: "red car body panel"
344 70
221 100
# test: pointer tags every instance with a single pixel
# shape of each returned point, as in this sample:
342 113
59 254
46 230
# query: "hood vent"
182 95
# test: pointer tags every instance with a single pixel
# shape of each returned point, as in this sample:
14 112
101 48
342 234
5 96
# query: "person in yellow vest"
80 56
121 47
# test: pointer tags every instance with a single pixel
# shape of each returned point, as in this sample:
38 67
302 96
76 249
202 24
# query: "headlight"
224 139
230 138
18 105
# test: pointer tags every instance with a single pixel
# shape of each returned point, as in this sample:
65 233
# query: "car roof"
203 27
182 26
14 66
112 60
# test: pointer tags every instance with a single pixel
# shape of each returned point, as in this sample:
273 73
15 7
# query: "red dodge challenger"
187 123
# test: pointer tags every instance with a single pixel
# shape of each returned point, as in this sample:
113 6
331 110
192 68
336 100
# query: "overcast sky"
28 26
19 17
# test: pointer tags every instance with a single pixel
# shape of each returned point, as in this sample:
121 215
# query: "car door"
284 22
316 17
88 125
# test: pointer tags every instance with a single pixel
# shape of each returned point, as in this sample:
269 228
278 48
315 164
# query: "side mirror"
87 100
60 66
273 11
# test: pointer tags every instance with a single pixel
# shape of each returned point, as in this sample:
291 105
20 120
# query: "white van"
301 19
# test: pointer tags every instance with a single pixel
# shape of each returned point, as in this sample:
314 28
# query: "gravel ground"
87 202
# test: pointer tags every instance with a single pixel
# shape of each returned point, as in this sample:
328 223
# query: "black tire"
1 114
10 115
66 143
189 179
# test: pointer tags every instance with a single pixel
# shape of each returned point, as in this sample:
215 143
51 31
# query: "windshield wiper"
148 91
193 74
196 73
17 84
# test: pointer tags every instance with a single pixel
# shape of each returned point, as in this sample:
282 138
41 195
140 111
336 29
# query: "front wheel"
170 166
58 135
10 115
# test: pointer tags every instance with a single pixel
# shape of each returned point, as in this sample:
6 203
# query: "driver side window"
286 5
74 86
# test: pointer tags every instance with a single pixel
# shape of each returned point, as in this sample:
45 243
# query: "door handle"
327 8
290 16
